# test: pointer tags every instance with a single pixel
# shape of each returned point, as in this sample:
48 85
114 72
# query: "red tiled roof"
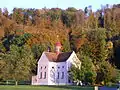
62 57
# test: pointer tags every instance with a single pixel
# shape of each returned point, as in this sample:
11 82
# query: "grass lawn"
44 88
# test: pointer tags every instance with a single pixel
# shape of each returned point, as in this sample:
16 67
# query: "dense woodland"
94 36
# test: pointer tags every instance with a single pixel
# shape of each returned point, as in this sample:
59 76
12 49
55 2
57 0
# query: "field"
45 88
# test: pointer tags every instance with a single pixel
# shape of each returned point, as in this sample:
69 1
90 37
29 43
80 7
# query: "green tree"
98 45
106 73
68 18
87 71
96 48
66 46
38 49
19 40
3 68
19 62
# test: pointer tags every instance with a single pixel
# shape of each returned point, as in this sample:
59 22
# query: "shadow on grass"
107 88
71 87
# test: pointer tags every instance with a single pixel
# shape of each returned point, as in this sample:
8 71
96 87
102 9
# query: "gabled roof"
62 57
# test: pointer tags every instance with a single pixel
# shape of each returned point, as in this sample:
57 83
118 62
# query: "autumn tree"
5 12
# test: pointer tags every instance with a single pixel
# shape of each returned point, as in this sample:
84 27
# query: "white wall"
42 67
53 73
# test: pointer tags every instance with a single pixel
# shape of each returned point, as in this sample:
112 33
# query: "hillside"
94 36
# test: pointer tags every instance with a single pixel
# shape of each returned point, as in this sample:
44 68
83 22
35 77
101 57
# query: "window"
62 66
45 67
58 76
62 75
45 75
40 75
69 81
52 67
41 67
58 67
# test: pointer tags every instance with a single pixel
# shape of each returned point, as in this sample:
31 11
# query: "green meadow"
44 88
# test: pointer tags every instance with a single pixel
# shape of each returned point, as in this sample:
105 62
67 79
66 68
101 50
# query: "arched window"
41 67
62 75
58 75
45 67
45 75
40 75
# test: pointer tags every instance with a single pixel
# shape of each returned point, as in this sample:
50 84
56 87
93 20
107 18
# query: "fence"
13 82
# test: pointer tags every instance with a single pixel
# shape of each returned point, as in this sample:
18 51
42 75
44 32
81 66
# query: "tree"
97 43
106 73
71 9
19 63
18 15
87 71
96 48
38 50
19 40
2 48
5 13
3 68
66 46
68 18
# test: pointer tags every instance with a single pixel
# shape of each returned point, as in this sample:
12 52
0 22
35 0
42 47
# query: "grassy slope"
44 88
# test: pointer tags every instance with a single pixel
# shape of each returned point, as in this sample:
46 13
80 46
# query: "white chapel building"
53 67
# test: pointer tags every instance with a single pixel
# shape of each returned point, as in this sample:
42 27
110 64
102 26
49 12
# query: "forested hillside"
94 36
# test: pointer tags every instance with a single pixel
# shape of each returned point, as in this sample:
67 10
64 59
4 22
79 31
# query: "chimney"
57 47
49 49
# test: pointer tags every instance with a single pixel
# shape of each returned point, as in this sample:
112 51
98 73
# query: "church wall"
56 68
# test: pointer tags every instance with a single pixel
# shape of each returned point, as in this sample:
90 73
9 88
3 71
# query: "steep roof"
62 57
